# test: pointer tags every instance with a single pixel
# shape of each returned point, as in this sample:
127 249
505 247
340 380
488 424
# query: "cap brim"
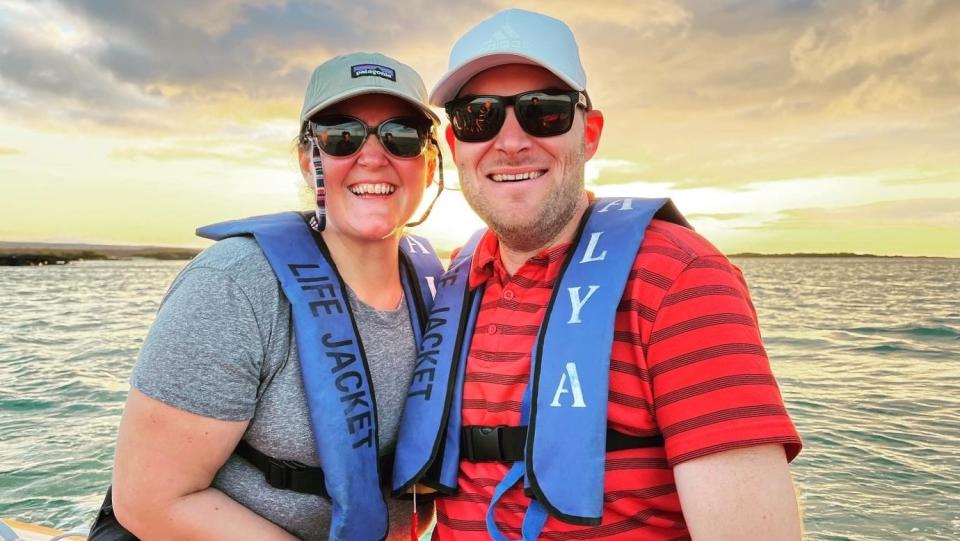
353 92
451 83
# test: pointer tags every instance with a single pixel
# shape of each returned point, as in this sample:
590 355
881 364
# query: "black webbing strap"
296 476
505 443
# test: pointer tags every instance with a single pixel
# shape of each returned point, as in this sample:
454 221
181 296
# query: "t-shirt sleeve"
713 387
204 352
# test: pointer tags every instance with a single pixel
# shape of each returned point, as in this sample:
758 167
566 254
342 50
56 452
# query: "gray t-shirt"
222 346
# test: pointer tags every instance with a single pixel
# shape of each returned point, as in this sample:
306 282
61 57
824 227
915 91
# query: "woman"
237 427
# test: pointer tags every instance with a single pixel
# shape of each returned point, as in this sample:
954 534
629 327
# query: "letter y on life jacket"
336 377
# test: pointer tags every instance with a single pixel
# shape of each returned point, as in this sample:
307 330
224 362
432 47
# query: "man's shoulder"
672 246
669 252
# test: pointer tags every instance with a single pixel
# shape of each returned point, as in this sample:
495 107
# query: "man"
390 144
662 421
345 145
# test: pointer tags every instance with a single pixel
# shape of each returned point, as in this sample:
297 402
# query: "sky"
775 125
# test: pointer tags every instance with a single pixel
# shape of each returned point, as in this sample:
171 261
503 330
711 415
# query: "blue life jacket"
336 378
568 386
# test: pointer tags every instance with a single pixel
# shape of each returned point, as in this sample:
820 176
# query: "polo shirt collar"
487 264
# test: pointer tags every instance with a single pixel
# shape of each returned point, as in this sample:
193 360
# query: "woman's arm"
165 461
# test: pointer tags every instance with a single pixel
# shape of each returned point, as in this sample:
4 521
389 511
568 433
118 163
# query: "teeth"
519 176
380 188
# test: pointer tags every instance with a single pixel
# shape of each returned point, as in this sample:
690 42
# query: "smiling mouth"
517 177
372 189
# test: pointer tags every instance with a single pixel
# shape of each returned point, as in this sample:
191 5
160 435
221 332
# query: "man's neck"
513 259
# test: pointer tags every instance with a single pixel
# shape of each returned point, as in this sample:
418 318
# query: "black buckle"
482 443
280 472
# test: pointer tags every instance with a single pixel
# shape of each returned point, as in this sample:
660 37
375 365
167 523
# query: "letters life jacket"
336 378
569 374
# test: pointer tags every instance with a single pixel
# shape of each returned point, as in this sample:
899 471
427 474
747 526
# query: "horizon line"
77 246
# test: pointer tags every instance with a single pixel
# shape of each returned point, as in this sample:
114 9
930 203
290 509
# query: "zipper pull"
413 522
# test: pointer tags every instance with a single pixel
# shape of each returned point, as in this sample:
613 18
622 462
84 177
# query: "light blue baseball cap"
512 36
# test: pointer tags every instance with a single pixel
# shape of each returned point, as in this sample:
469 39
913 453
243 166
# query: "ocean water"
867 353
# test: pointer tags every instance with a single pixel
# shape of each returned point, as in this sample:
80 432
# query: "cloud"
878 35
943 213
262 49
601 171
57 77
161 63
720 216
231 152
647 18
193 48
887 53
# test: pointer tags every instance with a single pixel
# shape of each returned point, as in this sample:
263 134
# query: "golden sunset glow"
776 126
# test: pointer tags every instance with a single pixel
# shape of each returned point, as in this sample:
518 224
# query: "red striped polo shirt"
687 362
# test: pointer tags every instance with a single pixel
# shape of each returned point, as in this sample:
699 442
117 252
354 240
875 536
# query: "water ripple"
867 354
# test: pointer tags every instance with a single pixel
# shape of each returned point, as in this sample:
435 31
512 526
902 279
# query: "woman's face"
371 193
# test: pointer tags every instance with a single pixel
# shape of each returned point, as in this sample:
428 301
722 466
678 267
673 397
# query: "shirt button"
508 294
491 329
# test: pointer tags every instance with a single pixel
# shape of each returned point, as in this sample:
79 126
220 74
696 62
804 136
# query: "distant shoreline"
38 254
837 255
13 254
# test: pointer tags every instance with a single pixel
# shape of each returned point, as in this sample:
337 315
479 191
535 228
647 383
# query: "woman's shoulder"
237 259
234 256
236 264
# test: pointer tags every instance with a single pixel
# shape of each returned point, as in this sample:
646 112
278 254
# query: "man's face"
528 189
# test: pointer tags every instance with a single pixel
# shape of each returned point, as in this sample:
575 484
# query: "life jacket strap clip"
507 443
492 443
284 474
281 473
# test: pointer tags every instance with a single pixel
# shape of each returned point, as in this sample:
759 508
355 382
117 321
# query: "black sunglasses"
541 113
342 135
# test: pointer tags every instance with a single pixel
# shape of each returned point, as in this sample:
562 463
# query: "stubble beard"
537 231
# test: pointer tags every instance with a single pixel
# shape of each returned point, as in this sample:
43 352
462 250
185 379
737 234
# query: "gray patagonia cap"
354 74
512 36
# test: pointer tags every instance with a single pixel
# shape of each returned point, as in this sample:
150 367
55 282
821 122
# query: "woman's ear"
432 169
306 164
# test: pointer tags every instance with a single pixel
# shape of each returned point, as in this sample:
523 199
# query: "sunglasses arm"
426 213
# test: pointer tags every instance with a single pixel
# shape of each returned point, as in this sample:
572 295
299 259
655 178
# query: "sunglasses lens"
342 135
403 137
338 136
476 119
545 115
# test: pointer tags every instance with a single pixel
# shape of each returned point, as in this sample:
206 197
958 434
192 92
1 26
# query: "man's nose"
511 139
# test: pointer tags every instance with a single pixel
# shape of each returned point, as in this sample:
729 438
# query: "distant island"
18 254
35 253
835 254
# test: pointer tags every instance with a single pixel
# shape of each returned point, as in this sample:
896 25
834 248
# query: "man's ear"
592 128
451 140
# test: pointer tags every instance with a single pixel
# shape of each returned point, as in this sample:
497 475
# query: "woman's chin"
376 232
